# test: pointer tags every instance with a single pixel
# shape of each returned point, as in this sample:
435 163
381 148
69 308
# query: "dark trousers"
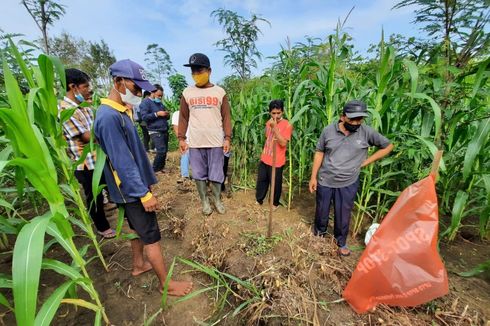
343 200
225 172
96 210
160 140
264 176
146 137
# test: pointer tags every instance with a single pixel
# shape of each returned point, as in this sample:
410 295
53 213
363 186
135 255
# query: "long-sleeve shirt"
148 110
128 171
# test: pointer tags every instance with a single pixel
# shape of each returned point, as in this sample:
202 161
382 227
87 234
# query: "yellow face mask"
201 79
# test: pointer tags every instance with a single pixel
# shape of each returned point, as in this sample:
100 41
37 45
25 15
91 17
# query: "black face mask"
351 128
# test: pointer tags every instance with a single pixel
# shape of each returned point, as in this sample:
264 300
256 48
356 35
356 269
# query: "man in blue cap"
128 172
340 153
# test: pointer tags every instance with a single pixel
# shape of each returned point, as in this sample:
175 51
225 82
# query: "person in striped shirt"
77 131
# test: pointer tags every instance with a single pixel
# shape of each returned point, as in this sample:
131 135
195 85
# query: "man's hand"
313 184
183 146
272 123
226 146
151 205
162 114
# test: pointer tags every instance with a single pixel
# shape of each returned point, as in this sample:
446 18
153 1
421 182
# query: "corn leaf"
435 109
53 231
4 302
476 145
99 169
414 75
26 268
40 179
61 268
66 114
46 68
482 68
457 214
23 66
5 281
81 303
15 97
5 225
60 70
49 308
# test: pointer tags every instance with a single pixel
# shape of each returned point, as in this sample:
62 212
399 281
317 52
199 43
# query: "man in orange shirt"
278 129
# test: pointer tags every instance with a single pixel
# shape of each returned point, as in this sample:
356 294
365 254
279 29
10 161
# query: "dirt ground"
297 278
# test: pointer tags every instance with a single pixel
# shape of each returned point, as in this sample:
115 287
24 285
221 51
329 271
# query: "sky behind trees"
185 27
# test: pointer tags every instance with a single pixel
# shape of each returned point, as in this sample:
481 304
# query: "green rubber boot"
202 190
216 189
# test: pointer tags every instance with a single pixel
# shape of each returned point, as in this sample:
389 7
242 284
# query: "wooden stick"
435 165
273 187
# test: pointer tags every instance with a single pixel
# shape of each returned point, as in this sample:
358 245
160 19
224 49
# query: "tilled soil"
293 278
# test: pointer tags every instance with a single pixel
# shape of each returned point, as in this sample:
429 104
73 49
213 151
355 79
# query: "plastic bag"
401 266
369 234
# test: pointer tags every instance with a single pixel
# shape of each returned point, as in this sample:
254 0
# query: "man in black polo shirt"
340 153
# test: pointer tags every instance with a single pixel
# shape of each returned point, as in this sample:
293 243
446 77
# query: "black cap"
355 109
198 60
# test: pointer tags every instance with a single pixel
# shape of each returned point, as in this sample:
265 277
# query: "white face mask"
129 97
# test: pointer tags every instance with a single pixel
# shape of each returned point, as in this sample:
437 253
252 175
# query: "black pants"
225 171
264 176
160 140
343 200
146 137
96 210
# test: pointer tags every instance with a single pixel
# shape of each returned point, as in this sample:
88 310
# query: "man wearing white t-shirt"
205 115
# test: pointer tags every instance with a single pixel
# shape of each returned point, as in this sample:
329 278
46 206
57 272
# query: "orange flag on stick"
400 265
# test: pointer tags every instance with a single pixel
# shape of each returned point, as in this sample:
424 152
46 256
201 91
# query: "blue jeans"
343 200
184 164
160 140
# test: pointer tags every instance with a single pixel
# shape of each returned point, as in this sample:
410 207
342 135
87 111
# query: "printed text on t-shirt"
204 101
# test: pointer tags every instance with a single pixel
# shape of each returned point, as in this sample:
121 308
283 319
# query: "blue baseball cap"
131 70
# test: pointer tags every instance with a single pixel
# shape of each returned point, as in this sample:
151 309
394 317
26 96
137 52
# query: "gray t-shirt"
345 154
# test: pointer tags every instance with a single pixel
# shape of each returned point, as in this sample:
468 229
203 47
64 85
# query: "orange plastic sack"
400 265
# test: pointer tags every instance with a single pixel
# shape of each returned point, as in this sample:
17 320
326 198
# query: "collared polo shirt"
345 154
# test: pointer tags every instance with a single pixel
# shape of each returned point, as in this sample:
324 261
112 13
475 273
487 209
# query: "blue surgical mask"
157 100
79 97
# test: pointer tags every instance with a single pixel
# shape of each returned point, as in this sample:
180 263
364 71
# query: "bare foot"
178 288
143 269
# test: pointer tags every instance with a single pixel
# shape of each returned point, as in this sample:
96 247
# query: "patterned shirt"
80 122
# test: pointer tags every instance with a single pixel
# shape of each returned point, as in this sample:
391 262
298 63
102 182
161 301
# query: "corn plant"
421 105
30 123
